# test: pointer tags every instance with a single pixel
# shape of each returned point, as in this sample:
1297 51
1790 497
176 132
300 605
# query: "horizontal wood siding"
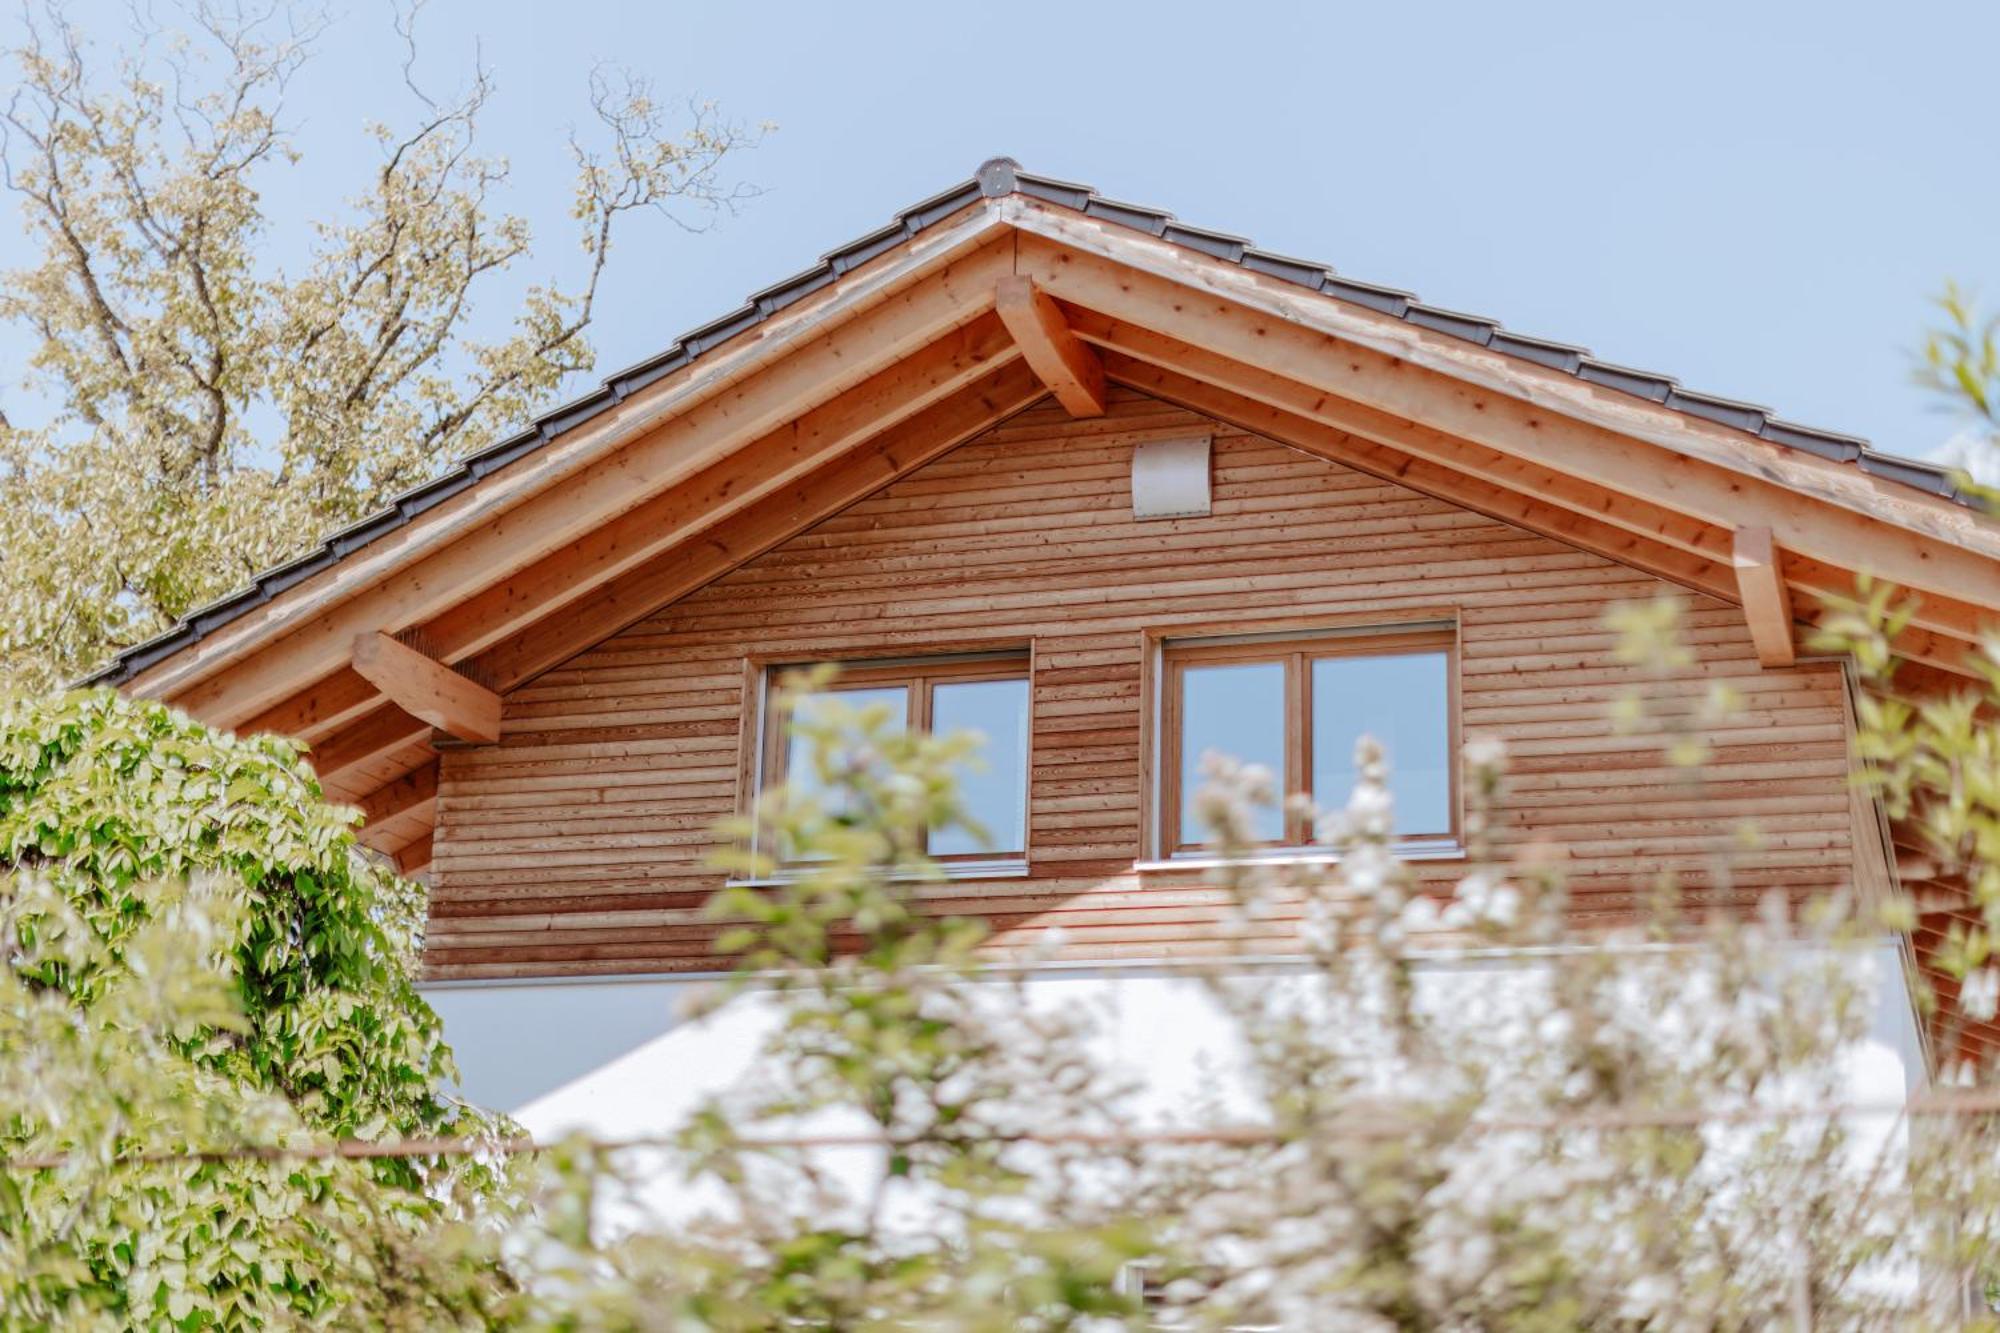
576 845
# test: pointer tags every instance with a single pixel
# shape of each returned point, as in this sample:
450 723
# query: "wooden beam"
407 795
1942 633
1813 581
1424 476
1761 589
681 570
375 736
414 857
1051 238
935 372
932 374
246 668
320 709
427 689
1071 370
1528 432
567 628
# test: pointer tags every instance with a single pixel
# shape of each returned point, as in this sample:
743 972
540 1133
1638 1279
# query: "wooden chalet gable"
405 638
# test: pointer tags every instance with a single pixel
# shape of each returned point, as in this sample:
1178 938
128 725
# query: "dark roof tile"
1068 194
1302 272
221 612
1384 300
1469 327
1541 351
778 295
574 413
1215 243
639 376
1639 383
1723 411
501 454
1909 471
862 249
1825 443
1149 220
939 206
275 581
352 538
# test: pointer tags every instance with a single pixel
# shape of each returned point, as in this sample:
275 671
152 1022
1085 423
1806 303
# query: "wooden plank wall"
575 845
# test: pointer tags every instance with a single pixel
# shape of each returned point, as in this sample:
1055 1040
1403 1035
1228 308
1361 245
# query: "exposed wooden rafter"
666 455
410 795
932 374
1525 432
502 610
414 857
1052 239
427 689
1682 505
361 746
750 532
705 554
1422 475
1766 605
1648 536
1071 370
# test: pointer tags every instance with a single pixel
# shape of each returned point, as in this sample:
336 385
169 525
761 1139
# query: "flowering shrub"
1643 1130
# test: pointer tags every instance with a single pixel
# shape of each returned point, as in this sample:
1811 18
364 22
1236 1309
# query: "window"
982 692
1296 703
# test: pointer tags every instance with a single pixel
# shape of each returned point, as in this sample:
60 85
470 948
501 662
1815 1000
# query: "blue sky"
1757 198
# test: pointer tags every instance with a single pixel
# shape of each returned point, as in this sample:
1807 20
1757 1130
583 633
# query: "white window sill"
999 868
1297 856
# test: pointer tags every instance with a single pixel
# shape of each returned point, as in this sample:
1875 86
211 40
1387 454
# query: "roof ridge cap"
998 176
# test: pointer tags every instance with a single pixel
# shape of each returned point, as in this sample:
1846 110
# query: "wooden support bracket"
427 689
1060 359
1766 605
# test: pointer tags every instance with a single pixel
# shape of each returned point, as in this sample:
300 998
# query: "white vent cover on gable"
1170 478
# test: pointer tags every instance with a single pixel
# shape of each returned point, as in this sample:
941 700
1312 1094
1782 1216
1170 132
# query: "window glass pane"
1237 709
800 773
1400 700
995 791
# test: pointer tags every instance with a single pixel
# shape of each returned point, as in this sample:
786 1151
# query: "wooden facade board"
577 844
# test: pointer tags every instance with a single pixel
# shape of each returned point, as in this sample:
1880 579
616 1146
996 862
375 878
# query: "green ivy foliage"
105 795
108 808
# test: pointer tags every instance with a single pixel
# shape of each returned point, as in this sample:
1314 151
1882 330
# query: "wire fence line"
1361 1128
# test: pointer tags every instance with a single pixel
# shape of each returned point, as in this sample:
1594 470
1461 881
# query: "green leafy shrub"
302 1024
106 795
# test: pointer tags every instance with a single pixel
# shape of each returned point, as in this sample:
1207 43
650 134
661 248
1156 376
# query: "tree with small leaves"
212 411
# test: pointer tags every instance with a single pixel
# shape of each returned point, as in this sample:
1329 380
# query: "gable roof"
899 346
995 179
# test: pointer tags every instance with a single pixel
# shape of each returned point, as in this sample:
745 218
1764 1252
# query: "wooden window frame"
919 675
1295 649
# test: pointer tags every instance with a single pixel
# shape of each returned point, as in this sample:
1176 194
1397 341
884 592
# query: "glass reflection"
1237 709
995 790
1401 700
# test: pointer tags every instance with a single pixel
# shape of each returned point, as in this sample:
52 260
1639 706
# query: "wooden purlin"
1526 433
666 454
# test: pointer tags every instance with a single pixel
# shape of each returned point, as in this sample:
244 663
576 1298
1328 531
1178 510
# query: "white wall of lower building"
622 1058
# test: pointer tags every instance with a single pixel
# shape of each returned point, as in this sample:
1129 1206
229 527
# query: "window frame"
920 675
1296 648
